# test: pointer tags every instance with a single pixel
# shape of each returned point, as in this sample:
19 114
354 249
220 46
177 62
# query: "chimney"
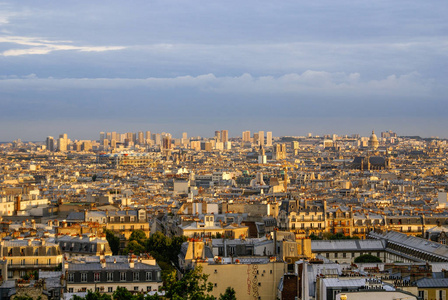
131 264
103 263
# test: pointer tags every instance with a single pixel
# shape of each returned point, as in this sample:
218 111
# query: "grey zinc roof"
347 245
110 266
432 282
414 243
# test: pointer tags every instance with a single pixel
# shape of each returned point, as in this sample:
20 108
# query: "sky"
290 67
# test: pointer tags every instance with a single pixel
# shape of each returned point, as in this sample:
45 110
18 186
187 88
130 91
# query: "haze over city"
329 67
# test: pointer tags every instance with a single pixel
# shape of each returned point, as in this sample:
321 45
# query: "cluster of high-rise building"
292 217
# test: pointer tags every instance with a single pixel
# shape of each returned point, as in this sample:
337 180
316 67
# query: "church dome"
373 141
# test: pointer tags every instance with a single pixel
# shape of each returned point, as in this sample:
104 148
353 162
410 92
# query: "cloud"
309 82
43 46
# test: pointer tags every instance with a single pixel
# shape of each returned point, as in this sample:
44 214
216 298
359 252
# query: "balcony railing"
29 266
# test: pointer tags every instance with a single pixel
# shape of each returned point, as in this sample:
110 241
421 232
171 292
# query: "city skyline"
293 68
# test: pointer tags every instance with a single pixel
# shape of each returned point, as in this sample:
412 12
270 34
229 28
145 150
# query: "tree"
134 247
164 249
192 286
367 258
138 236
114 242
121 293
314 237
229 294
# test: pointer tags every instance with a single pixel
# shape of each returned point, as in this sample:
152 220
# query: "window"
216 285
344 255
110 276
70 277
148 276
49 261
96 277
136 276
83 277
70 290
148 288
335 255
22 262
36 261
122 276
110 289
136 288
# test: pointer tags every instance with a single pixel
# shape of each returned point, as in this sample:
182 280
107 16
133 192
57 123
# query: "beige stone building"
24 256
252 278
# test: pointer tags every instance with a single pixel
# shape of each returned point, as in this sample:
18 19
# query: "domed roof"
373 137
373 141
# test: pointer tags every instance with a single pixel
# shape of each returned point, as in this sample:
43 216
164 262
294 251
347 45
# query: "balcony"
32 266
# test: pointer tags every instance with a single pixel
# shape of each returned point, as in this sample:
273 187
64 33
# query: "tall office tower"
50 143
113 144
157 138
218 135
109 136
62 142
102 137
166 144
114 136
224 136
184 135
246 136
141 138
86 146
148 137
255 138
269 138
105 143
129 137
261 138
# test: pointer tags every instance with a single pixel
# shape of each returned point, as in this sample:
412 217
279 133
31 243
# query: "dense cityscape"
251 216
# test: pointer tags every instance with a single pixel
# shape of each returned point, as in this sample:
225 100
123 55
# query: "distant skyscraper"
269 138
166 141
102 137
184 135
218 135
50 143
158 139
224 136
246 136
62 142
140 138
261 138
255 138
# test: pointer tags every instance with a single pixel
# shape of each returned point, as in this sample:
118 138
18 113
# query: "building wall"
249 281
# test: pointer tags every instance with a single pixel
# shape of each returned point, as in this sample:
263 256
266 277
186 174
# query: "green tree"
134 247
165 250
114 242
121 293
314 237
229 294
192 286
138 236
367 258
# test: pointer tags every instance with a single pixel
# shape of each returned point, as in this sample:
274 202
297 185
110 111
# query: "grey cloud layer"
220 62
